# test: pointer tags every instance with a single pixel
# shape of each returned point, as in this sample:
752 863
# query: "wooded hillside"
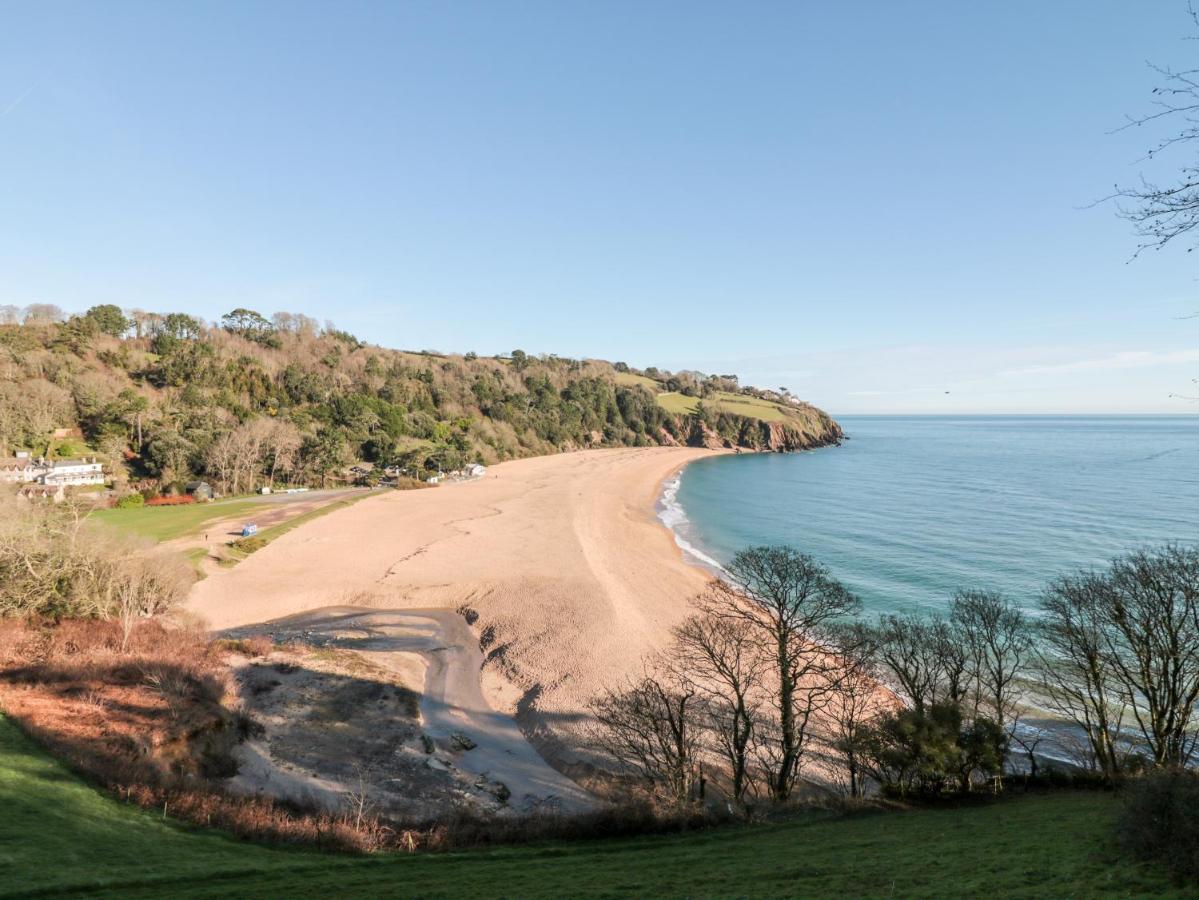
249 400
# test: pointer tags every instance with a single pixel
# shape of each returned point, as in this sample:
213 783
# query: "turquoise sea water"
911 508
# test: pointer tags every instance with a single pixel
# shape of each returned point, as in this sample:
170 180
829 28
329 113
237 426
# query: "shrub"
131 501
179 500
927 752
256 645
1159 821
249 544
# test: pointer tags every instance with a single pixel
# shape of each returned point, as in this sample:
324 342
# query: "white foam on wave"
674 517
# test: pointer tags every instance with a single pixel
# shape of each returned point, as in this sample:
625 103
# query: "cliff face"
802 433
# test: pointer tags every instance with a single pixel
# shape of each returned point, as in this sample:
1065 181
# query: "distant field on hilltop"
59 835
679 404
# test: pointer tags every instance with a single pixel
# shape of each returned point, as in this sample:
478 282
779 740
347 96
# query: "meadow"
724 401
165 523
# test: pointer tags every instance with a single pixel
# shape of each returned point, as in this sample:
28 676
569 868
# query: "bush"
1160 820
931 751
131 501
249 544
179 500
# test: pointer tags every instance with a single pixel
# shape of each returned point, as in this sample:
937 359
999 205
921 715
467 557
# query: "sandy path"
452 700
571 576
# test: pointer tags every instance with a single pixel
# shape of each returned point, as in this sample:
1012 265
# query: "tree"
789 600
650 727
181 326
322 454
42 313
1151 601
908 646
1128 639
1074 674
1160 213
251 325
998 638
924 751
169 455
721 653
42 406
281 445
856 702
520 360
109 319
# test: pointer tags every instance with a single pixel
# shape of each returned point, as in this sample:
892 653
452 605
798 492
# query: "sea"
911 509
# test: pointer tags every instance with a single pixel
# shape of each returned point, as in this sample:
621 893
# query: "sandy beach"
559 562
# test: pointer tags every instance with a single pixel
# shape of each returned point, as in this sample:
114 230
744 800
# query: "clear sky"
871 203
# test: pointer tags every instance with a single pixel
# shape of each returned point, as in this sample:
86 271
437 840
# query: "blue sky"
870 203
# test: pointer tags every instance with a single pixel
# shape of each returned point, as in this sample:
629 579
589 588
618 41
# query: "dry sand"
561 558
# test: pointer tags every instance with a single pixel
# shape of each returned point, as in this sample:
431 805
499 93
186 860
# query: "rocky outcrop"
805 431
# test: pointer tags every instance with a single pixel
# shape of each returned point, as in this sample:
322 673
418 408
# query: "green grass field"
57 835
164 523
629 379
750 406
680 404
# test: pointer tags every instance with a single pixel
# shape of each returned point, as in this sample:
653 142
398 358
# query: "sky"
884 207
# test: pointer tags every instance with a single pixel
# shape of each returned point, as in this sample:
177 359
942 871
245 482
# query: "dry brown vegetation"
155 724
147 723
53 563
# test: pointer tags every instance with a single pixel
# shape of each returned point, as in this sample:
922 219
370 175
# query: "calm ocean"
913 507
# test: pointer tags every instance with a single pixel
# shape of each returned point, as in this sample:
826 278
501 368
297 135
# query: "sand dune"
561 558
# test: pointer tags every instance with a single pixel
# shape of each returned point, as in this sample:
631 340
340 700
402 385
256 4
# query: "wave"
672 515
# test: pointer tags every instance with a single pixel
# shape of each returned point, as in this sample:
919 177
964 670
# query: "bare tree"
856 701
652 728
1161 213
998 640
910 648
1125 644
1152 604
789 600
1075 676
281 446
721 653
42 313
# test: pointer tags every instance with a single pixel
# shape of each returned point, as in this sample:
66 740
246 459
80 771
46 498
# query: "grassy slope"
628 379
57 834
164 523
739 404
680 405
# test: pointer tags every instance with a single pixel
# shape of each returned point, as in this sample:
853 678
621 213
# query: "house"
53 493
22 469
72 472
19 469
201 490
